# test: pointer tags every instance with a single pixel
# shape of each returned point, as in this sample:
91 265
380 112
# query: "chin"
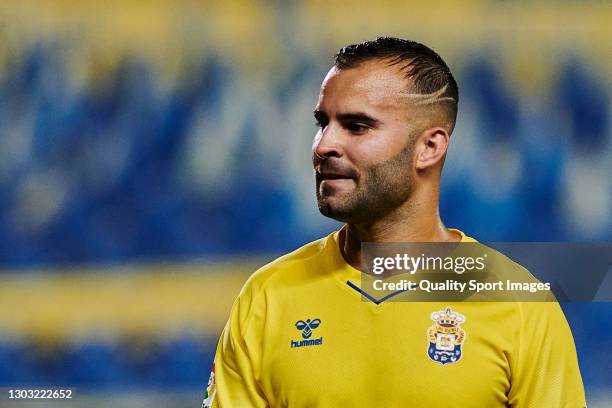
334 210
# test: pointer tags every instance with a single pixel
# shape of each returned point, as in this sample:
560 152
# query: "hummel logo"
306 327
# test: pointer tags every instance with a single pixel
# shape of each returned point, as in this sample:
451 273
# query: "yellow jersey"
300 335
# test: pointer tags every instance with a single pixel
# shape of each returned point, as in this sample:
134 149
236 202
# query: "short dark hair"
427 70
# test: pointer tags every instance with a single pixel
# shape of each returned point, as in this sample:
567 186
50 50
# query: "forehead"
373 84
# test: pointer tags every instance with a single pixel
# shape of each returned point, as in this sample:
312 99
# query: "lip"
330 179
329 176
335 181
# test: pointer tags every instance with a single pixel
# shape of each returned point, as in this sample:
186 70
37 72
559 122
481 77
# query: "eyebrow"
350 117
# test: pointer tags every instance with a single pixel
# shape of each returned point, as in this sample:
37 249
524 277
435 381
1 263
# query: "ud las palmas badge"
446 336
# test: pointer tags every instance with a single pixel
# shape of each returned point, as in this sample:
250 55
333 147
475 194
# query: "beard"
379 189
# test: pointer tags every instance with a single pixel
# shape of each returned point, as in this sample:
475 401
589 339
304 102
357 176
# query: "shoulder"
519 283
499 264
297 267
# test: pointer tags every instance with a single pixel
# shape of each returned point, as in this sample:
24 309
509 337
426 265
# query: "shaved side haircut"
431 80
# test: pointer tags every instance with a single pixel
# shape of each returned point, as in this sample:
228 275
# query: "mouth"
332 177
331 183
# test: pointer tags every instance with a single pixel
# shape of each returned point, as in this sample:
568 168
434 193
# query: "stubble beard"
385 187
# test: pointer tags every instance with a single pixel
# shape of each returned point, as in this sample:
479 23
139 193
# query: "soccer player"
300 333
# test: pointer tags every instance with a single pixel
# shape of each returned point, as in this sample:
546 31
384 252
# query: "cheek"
377 147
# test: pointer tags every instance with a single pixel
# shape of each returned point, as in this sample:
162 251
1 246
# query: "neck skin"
417 220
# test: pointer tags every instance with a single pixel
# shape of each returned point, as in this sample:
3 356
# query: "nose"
326 144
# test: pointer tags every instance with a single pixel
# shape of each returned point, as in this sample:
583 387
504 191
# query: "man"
300 333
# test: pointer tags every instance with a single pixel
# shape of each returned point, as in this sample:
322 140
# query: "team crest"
446 336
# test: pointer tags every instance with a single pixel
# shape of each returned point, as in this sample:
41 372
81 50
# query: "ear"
430 147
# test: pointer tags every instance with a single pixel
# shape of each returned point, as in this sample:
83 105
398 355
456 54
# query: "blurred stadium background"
152 154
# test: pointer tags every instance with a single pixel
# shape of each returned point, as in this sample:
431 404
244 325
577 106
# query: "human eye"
357 128
318 123
320 120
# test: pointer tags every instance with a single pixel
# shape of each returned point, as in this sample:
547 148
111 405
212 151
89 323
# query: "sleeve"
545 372
233 381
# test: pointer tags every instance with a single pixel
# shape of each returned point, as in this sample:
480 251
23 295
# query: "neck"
417 220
